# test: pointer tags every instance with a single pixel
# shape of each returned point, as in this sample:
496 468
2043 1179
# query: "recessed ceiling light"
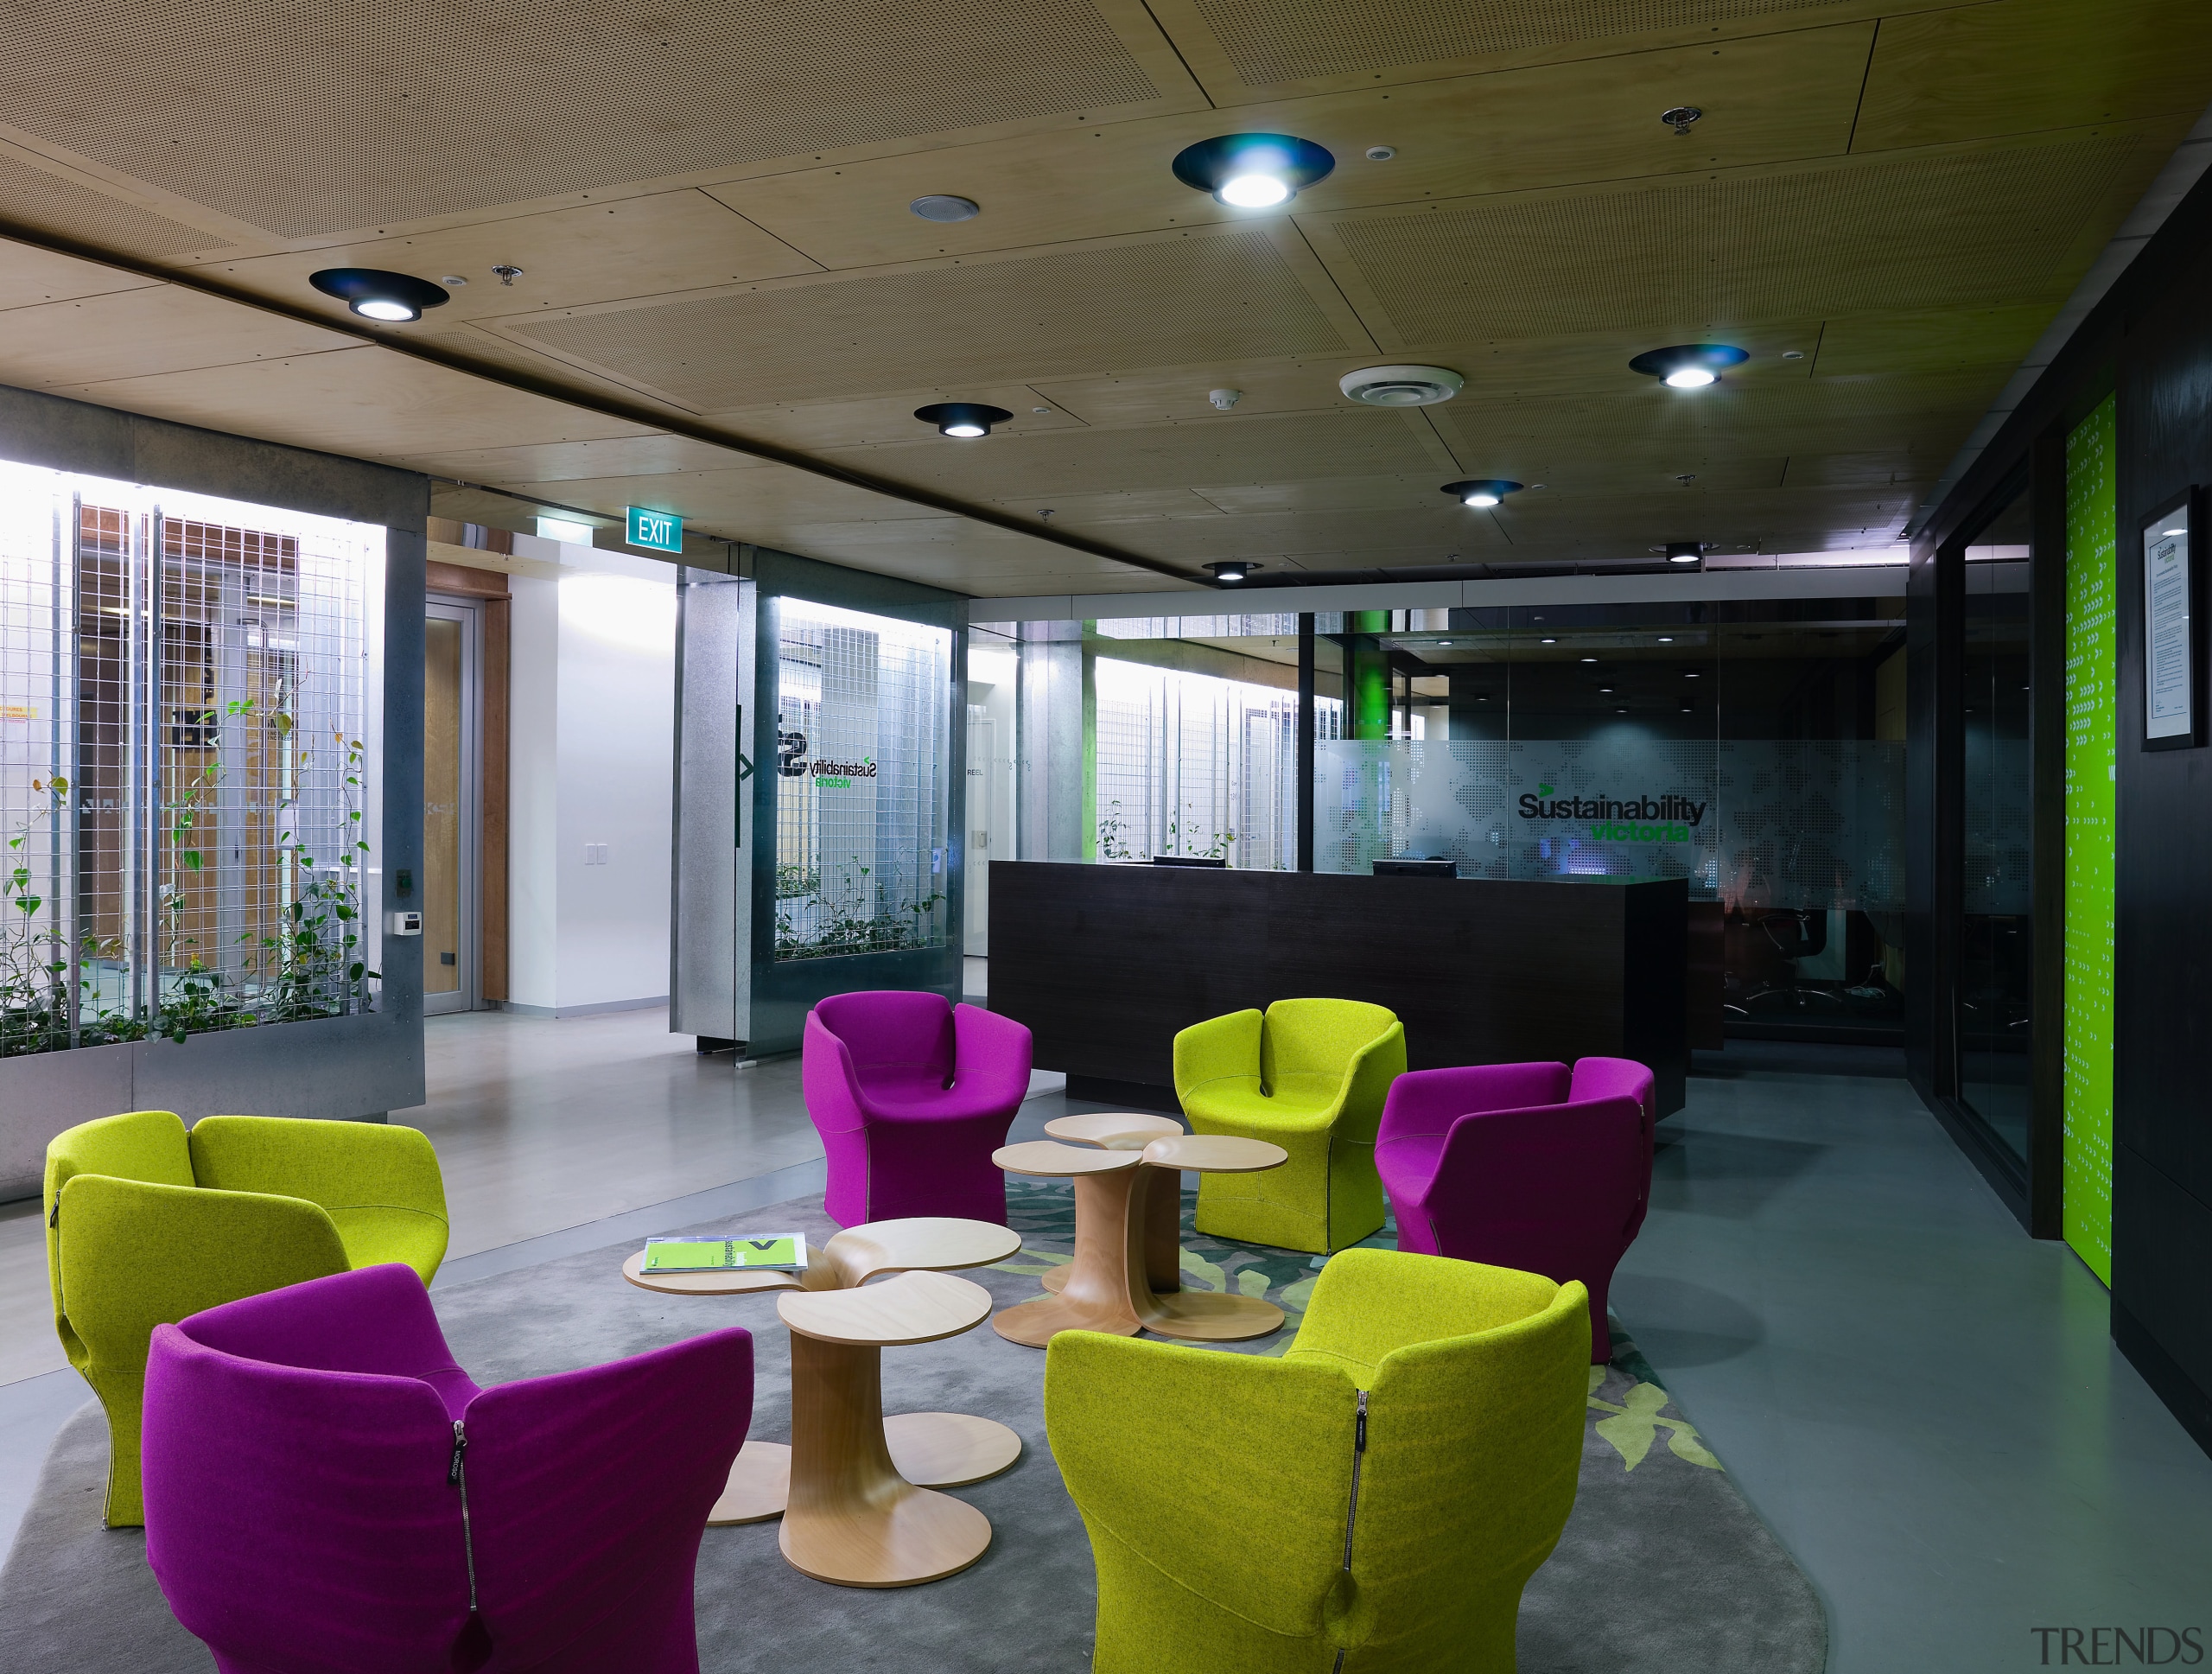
1683 551
375 294
1547 640
1482 492
1688 366
1620 711
1608 691
1793 355
1689 674
1589 660
1666 639
1443 645
1232 569
1253 171
941 206
962 418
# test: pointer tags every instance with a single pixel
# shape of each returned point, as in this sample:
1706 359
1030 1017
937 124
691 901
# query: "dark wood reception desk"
1105 963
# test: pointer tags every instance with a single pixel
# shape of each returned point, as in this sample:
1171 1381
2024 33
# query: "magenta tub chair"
310 1506
911 1094
1531 1166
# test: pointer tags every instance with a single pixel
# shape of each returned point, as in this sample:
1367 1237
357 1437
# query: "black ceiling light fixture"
1232 569
1684 552
1253 171
374 294
1688 366
1482 492
962 418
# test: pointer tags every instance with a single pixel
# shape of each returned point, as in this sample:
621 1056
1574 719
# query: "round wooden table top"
912 1308
1215 1154
735 1282
1112 1131
917 1243
1042 1156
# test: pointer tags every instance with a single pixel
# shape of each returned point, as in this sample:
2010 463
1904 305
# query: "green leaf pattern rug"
1629 1406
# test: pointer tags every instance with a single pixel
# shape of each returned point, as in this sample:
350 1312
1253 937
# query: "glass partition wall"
188 763
1755 749
863 767
1995 990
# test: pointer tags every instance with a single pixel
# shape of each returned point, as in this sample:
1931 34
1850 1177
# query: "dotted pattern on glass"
863 765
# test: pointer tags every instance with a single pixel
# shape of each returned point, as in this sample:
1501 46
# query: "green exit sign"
663 531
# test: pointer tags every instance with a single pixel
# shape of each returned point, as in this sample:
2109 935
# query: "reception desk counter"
1105 963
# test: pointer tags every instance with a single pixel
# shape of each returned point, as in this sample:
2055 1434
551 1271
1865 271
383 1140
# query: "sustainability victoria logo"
1667 818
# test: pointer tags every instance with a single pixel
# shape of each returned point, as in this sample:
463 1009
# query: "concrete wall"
593 743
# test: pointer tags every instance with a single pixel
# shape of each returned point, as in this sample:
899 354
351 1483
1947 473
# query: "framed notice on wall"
2173 711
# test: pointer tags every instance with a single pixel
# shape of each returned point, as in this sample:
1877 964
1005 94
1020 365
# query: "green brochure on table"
783 1251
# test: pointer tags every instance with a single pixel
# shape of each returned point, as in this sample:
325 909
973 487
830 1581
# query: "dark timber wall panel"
1105 963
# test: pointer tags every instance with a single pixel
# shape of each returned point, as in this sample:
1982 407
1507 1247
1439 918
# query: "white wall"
592 737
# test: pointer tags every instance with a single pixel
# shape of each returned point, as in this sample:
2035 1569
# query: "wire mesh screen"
187 774
1195 766
863 765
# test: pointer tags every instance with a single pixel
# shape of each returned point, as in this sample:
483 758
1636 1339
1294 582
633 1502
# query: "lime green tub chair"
146 1225
1382 1492
1309 1076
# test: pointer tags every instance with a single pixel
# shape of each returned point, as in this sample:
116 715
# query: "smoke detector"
1400 386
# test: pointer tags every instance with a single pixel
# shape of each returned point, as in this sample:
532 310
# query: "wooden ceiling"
727 310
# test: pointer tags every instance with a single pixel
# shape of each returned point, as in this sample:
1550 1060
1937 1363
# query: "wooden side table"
1129 1130
1108 1286
929 1450
854 1519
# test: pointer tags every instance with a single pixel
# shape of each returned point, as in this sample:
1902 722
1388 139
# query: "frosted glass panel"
1753 823
863 763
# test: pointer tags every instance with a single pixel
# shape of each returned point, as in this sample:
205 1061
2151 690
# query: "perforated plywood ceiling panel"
308 117
1354 442
1178 299
155 328
1276 41
1837 239
359 401
31 197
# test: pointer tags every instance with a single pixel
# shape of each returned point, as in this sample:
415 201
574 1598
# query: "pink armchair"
1529 1166
910 1095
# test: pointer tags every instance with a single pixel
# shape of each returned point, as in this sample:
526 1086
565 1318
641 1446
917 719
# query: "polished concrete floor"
1923 1402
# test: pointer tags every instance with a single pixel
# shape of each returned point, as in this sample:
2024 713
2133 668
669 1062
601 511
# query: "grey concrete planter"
338 1068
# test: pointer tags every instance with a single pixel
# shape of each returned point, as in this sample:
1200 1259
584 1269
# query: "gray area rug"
1662 1567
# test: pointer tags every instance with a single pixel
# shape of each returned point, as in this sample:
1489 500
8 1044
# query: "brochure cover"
785 1252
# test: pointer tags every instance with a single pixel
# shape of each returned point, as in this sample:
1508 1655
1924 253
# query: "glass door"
1995 992
452 820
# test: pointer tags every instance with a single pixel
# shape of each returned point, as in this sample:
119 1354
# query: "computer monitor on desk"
1416 868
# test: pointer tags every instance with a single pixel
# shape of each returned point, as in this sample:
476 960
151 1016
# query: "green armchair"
146 1225
1382 1493
1311 1077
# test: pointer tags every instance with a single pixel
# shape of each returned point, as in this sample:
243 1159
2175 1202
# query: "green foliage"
308 965
1113 834
853 919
